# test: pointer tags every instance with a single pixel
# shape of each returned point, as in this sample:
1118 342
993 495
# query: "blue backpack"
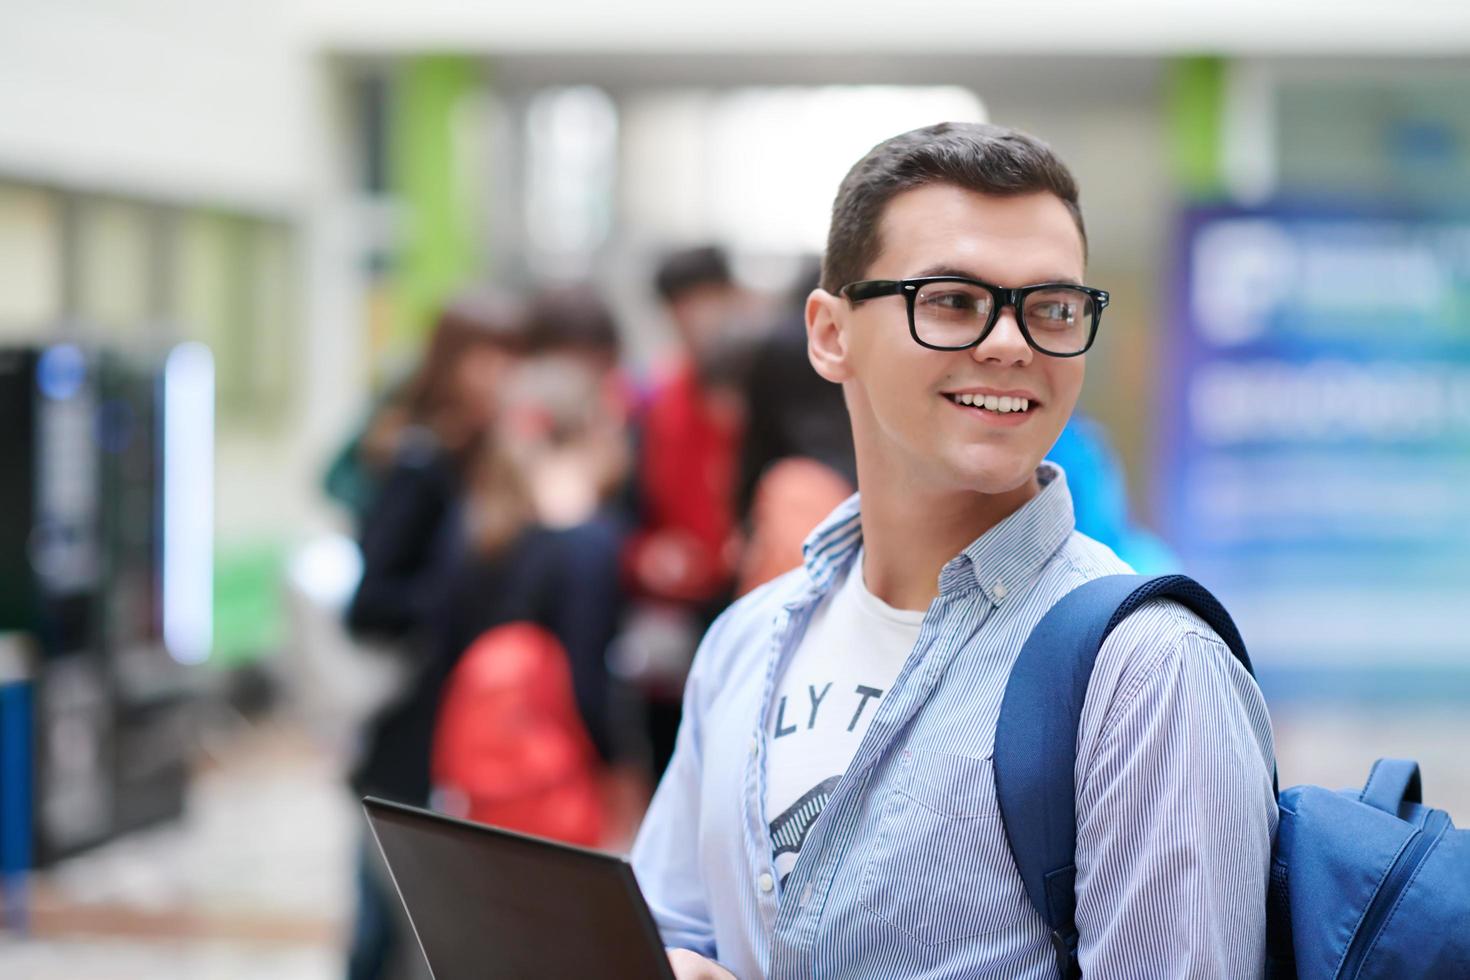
1364 883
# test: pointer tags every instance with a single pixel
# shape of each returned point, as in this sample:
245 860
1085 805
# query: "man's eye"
1056 313
951 301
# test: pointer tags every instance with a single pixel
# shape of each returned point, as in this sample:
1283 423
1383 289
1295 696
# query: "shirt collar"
999 562
829 548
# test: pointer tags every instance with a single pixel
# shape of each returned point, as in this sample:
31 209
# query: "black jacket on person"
410 540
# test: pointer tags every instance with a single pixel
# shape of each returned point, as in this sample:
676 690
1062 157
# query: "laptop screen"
490 903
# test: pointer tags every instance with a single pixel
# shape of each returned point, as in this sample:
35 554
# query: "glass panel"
235 289
1395 136
30 261
572 165
114 266
763 194
271 329
205 276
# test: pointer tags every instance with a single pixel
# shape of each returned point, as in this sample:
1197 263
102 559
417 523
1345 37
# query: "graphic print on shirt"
862 693
814 733
789 830
825 699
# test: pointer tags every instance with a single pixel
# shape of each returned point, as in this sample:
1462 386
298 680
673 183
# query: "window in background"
664 182
571 177
757 168
776 155
30 261
202 269
272 330
208 287
115 268
233 287
1396 137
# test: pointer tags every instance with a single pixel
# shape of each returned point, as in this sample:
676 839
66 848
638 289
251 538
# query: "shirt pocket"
941 870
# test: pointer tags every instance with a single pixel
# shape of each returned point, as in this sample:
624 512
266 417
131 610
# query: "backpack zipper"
1410 857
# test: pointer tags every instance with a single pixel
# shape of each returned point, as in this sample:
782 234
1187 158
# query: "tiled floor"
115 959
254 884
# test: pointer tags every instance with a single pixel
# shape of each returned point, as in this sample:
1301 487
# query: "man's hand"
689 965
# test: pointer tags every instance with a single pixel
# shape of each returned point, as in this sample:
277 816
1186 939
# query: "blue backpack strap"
1391 783
1036 735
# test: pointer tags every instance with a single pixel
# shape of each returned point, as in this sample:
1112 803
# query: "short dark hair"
690 268
572 318
974 156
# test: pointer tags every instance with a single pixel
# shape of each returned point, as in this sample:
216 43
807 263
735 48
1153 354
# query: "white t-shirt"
853 648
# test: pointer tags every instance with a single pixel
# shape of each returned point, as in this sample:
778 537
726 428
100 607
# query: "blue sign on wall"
1315 457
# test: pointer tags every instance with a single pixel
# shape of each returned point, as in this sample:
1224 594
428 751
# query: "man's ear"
826 335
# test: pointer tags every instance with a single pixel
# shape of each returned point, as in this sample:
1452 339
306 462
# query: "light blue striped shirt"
906 872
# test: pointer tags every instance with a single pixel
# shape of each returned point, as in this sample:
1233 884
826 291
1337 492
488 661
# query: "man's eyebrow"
946 270
950 270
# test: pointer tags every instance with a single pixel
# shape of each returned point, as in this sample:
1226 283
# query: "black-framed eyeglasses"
956 313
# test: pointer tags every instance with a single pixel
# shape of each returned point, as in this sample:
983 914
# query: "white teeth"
1001 404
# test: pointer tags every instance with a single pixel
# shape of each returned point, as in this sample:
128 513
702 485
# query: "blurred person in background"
574 324
561 460
796 460
681 559
425 406
1100 497
423 442
575 336
534 542
690 428
355 474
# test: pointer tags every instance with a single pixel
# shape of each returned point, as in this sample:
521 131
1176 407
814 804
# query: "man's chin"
995 481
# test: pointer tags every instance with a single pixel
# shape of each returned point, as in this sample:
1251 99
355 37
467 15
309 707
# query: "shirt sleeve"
666 852
1175 809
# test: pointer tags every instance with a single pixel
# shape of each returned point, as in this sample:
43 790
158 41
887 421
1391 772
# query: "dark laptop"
491 903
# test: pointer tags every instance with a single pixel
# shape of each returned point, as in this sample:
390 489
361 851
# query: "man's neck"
909 537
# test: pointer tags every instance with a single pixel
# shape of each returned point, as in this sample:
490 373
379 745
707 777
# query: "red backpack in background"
510 748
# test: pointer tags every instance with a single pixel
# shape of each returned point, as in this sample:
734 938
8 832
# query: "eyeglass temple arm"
856 292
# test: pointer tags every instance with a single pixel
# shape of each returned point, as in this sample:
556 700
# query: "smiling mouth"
999 405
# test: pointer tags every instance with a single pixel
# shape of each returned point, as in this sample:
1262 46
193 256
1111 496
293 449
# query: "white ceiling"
1108 27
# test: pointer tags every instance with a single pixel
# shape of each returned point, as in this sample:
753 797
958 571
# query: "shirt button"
999 588
766 882
755 747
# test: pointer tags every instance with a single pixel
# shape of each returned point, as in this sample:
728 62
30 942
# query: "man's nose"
1005 343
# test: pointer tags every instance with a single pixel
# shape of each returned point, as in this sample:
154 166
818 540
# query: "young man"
830 810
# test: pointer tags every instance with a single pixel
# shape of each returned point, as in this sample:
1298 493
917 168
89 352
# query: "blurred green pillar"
1195 114
438 242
